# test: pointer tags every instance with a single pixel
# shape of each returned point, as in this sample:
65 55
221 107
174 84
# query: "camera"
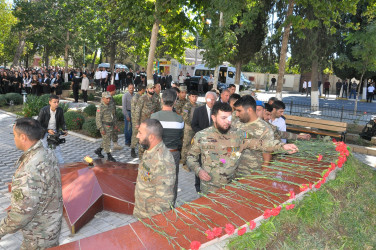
55 140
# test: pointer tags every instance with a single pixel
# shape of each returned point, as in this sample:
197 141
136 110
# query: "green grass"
341 215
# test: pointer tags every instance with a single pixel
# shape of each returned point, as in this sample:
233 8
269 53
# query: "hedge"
3 100
15 97
90 110
34 104
91 128
118 99
74 120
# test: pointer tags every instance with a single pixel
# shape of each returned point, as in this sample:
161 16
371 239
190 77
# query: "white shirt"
98 75
309 84
104 74
85 83
181 79
371 89
116 76
304 85
280 123
52 121
208 110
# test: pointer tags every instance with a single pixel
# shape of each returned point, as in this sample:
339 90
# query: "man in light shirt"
97 78
104 79
370 92
277 119
126 100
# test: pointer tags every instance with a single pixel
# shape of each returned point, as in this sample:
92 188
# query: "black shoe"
98 151
110 158
133 153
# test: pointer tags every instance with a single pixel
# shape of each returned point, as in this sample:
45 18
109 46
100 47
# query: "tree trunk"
95 57
112 60
357 93
153 45
19 51
66 59
314 89
238 72
216 71
27 60
282 57
46 57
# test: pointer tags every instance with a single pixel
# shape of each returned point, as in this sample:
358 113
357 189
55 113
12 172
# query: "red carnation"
217 231
303 187
310 185
292 195
319 158
195 245
242 231
252 225
333 166
267 213
291 206
230 229
209 234
276 210
318 185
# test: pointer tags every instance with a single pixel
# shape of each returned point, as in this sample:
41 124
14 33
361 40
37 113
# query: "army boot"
117 146
110 157
133 153
98 151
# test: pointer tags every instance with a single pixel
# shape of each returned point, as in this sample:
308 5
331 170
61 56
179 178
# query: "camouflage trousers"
106 139
114 135
134 140
188 135
30 243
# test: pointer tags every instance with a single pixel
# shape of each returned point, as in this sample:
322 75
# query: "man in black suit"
201 120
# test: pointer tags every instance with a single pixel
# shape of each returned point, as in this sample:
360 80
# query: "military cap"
106 94
150 86
183 88
111 88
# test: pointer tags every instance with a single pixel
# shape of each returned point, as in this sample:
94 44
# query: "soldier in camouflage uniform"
105 120
258 129
220 148
156 173
36 200
233 99
187 113
112 89
135 98
182 99
147 105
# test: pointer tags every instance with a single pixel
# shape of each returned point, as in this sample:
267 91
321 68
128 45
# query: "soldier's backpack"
369 130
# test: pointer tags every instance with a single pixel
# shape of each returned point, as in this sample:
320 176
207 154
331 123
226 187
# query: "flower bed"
239 206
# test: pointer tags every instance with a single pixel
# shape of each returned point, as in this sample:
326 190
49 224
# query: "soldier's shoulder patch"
18 195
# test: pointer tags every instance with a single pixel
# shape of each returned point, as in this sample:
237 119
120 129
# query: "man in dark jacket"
51 118
76 86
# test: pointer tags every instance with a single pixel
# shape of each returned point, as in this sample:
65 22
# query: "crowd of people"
228 136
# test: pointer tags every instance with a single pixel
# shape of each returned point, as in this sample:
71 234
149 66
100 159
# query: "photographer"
52 120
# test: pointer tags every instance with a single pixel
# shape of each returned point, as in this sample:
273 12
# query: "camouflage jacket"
220 153
145 107
187 113
134 102
179 104
36 199
155 182
253 159
105 116
278 135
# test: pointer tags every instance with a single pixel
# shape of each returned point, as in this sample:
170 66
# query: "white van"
226 75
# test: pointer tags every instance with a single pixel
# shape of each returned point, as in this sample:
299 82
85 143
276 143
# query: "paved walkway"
73 150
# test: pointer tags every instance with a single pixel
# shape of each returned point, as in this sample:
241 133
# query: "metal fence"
326 111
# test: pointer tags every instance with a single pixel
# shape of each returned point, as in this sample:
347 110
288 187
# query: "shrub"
15 97
90 97
3 100
119 114
90 110
66 85
118 99
74 120
64 106
91 128
34 104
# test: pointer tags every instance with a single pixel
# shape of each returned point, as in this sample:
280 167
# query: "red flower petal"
276 210
267 213
252 225
291 206
230 229
319 158
334 140
318 185
242 231
195 245
333 166
217 231
209 234
292 195
310 185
